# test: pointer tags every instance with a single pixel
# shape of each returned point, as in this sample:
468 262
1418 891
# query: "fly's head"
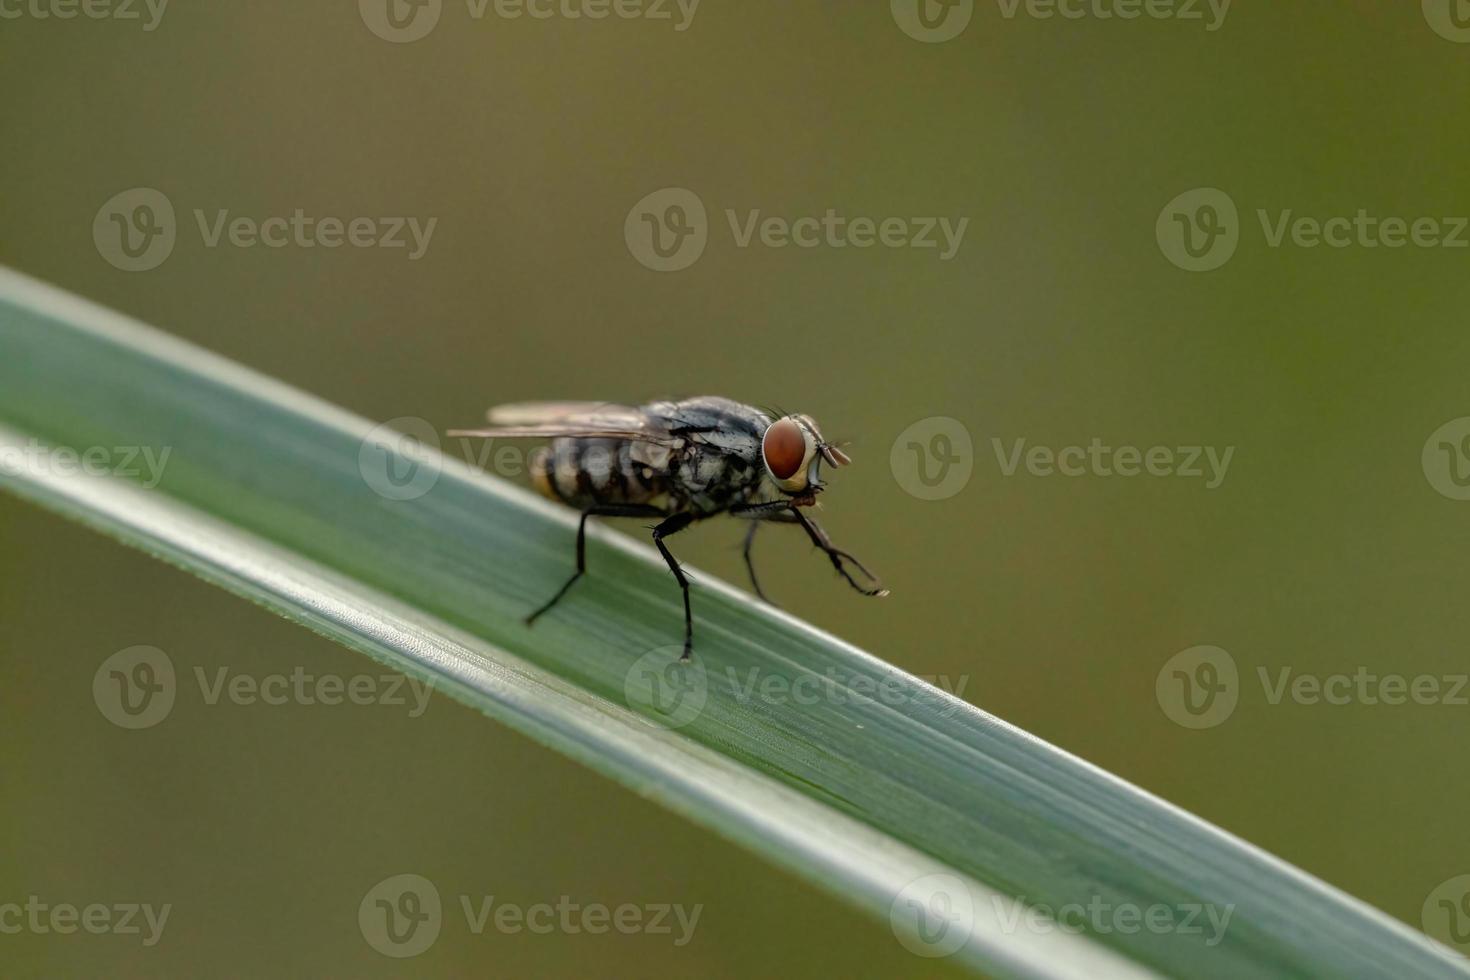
793 451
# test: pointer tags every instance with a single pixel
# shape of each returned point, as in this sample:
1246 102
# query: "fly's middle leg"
674 525
777 511
755 582
601 510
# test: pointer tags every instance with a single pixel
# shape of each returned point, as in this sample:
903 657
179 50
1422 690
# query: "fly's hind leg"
601 510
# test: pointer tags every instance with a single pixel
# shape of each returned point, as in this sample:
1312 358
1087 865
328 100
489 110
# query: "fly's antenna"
833 455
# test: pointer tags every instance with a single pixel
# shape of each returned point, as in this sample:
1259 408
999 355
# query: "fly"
681 461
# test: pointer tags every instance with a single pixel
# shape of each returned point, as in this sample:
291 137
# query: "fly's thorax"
711 480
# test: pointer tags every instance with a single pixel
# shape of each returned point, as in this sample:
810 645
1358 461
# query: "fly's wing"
586 420
543 413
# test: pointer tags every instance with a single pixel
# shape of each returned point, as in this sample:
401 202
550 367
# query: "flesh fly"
680 461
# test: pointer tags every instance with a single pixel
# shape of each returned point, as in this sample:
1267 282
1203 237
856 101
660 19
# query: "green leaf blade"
881 781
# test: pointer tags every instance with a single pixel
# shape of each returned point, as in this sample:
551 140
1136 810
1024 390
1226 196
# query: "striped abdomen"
584 472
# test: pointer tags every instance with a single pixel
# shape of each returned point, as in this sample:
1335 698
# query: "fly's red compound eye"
784 448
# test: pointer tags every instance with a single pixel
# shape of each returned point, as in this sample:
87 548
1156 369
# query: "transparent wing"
551 420
548 413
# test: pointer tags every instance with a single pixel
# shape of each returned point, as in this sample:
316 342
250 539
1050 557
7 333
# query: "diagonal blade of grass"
271 493
689 778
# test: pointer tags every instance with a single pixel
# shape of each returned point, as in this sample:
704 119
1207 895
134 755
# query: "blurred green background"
1055 601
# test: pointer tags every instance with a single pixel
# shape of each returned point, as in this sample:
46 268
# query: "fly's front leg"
673 525
607 510
838 556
